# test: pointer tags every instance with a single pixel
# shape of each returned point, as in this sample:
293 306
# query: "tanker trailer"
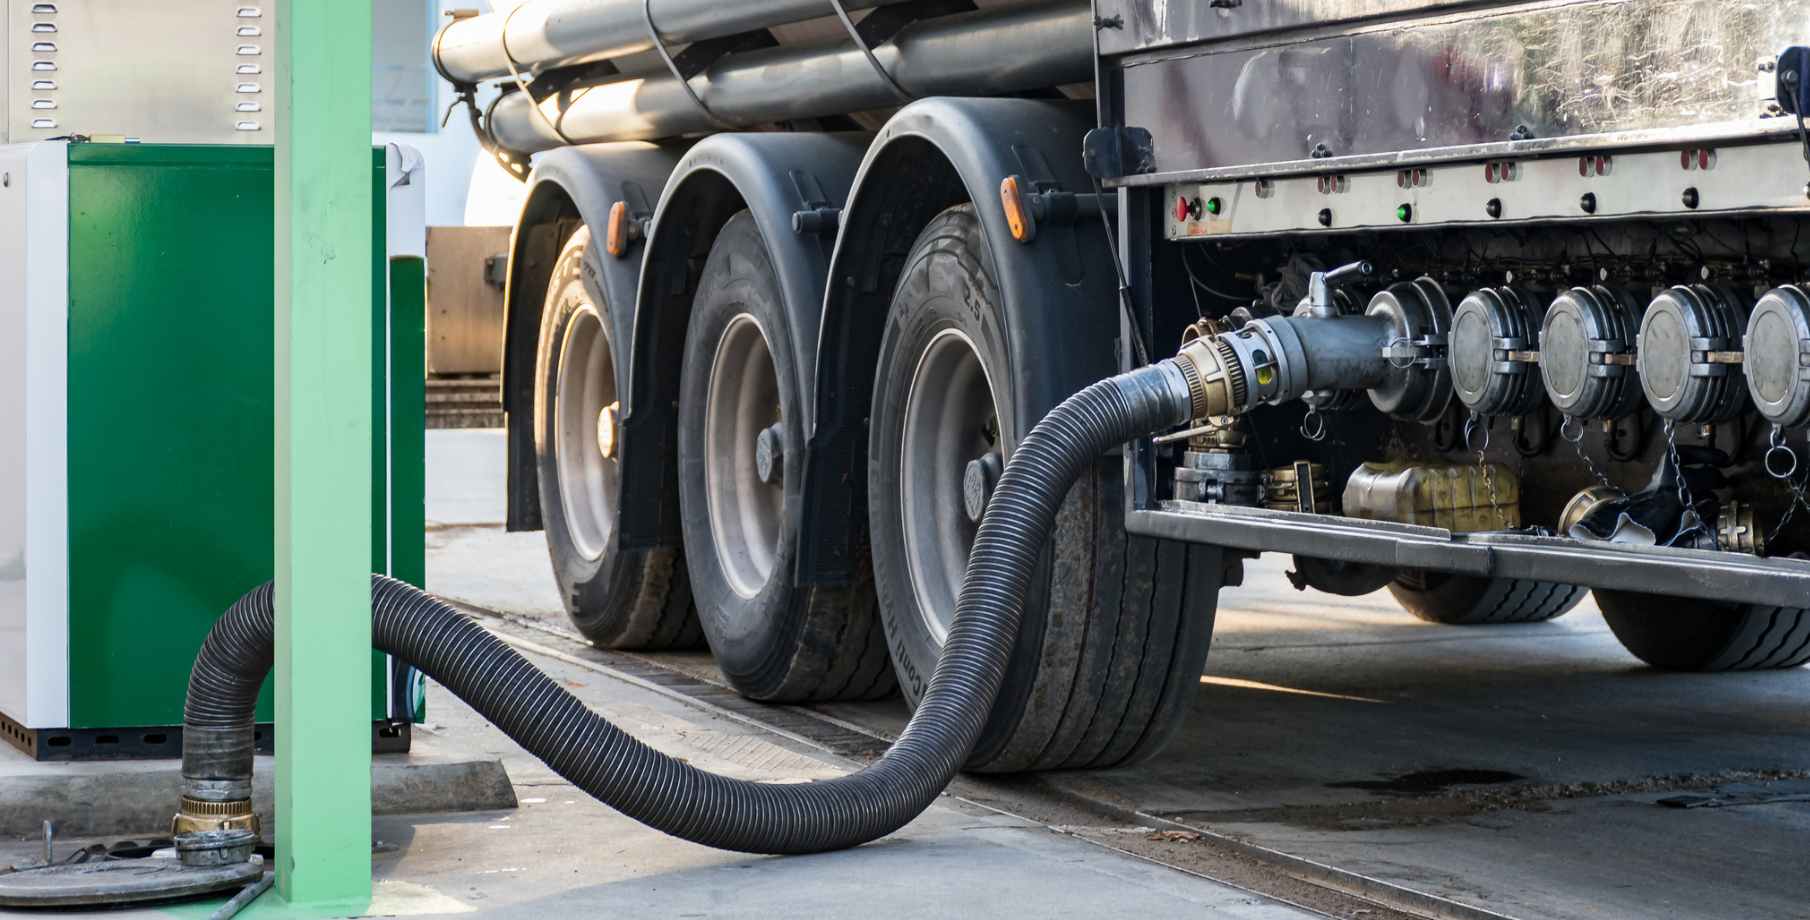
1485 304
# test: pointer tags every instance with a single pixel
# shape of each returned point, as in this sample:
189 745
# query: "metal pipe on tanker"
984 53
543 34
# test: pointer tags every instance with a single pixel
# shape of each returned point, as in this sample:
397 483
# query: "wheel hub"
770 454
584 433
606 431
977 484
950 455
744 456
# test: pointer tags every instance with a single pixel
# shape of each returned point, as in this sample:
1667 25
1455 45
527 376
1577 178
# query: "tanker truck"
1487 304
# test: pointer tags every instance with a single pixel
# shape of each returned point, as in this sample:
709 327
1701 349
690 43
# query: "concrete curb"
137 798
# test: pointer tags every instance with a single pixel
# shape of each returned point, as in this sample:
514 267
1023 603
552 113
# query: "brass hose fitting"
197 816
1216 379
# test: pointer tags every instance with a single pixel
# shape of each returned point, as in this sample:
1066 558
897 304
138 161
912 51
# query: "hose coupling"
1217 383
196 816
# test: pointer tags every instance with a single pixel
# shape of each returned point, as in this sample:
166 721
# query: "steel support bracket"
883 24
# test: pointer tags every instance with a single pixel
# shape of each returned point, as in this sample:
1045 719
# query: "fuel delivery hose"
668 794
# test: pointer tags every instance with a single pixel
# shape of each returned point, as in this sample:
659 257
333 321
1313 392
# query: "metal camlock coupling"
1395 351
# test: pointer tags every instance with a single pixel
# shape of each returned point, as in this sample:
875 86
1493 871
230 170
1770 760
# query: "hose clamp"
515 74
854 33
678 73
195 816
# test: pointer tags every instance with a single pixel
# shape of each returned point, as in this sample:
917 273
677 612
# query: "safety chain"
1684 492
1570 424
1778 469
1473 425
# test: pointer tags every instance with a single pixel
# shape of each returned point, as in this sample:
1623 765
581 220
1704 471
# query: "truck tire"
1116 627
618 598
1686 634
1465 600
741 436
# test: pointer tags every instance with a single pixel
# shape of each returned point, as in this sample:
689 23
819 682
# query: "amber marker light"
617 240
1018 209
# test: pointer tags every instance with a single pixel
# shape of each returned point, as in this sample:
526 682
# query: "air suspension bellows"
1689 354
1778 356
1587 353
671 795
1495 352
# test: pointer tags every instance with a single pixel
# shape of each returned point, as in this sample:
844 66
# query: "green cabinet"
167 409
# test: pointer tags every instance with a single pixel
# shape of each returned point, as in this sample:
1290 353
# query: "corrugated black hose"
668 794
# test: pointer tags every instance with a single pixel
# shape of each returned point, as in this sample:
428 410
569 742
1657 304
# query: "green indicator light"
1214 205
1404 213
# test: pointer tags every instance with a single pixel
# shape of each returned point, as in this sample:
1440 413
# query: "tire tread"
815 642
1462 600
637 599
1681 634
1121 640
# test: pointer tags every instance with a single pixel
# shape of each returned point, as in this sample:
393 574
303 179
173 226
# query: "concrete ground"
560 851
1515 769
1336 746
133 797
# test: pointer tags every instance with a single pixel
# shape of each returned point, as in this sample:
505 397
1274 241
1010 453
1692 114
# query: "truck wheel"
1465 600
1685 634
1116 627
741 440
618 598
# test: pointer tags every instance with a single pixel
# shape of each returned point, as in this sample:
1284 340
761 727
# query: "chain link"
1313 425
1684 492
1471 426
1799 486
1797 498
1577 444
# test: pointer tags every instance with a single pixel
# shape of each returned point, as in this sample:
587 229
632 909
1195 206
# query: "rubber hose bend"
670 795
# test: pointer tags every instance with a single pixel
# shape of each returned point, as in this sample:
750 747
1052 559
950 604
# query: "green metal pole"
323 453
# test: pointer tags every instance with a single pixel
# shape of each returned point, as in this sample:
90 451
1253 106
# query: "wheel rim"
745 512
585 398
951 419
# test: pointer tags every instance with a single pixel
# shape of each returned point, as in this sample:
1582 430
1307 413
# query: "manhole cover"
122 881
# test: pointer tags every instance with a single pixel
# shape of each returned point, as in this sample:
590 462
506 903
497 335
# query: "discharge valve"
1395 351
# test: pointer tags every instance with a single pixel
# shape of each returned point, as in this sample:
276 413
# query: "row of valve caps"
1697 353
1598 353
